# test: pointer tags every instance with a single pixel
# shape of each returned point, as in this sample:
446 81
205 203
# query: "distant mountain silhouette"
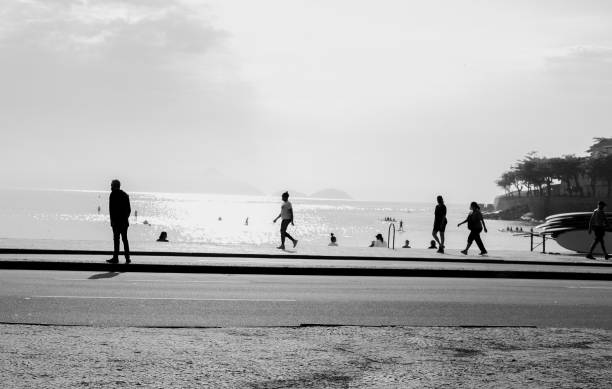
331 193
213 181
292 193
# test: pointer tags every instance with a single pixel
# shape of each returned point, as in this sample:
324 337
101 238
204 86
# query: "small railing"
389 236
534 245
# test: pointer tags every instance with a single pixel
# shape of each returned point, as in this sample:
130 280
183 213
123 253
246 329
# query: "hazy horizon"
398 100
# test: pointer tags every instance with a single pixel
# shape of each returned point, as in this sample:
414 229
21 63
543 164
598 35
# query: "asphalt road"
212 300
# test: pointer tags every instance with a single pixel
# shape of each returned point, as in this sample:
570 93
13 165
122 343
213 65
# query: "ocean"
69 219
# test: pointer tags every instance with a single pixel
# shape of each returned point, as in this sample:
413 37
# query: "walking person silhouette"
439 223
598 224
475 224
119 210
286 215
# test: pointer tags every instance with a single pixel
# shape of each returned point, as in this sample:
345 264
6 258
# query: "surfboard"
570 230
580 241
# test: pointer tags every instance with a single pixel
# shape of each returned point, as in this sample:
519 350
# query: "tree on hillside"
527 169
545 173
535 173
510 179
557 173
516 181
569 168
594 169
505 182
606 172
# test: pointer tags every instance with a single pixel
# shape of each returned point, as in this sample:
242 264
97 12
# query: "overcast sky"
385 99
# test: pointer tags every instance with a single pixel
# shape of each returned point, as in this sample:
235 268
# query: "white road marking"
160 298
589 287
214 261
124 280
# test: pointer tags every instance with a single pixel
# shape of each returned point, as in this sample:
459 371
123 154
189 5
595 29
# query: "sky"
387 100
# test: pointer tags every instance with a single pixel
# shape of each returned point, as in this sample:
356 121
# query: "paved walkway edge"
441 258
297 270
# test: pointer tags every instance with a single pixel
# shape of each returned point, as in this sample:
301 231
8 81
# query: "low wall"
546 206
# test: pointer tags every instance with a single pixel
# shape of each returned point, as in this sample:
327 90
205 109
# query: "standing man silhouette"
286 215
119 209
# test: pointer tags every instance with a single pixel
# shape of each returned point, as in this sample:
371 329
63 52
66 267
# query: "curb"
315 271
441 259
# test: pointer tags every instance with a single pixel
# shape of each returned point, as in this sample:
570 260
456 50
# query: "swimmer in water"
332 240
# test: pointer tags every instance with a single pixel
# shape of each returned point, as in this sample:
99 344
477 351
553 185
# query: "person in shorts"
439 224
286 215
598 225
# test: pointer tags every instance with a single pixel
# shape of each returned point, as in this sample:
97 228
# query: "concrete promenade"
322 261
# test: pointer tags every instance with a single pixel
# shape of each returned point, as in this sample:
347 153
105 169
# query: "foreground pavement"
346 357
112 329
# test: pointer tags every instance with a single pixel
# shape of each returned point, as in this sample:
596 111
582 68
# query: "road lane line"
159 298
124 280
589 287
248 261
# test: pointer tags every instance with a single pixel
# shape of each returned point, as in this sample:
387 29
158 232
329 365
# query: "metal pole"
389 236
531 238
543 244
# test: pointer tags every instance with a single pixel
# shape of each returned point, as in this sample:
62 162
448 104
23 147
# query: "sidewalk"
320 261
304 357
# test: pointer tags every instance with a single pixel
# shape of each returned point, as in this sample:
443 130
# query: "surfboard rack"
533 245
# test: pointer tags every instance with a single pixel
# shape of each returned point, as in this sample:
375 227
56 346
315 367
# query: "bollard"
389 236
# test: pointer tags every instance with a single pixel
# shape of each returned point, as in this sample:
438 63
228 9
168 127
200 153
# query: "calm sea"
70 219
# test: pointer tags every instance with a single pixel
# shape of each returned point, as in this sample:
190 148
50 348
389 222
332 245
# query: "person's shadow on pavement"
110 274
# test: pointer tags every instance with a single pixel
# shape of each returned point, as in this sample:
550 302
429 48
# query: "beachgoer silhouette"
99 209
163 237
475 224
598 224
136 216
332 240
439 223
378 241
432 245
246 222
286 215
406 245
401 225
119 210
